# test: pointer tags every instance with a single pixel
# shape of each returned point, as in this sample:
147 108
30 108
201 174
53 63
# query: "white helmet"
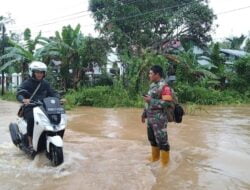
37 66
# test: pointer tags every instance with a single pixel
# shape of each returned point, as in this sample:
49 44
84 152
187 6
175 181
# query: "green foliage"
236 42
242 67
103 96
76 52
137 69
217 60
4 42
141 31
102 80
117 96
10 96
151 24
22 54
220 70
241 79
247 46
189 70
66 47
95 51
201 95
192 109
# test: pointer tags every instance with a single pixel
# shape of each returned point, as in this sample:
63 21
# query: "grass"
9 96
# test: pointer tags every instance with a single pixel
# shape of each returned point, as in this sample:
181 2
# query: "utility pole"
3 44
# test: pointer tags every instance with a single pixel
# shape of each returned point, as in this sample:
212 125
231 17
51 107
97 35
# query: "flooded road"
107 149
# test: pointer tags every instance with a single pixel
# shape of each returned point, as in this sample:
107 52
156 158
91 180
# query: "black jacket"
28 86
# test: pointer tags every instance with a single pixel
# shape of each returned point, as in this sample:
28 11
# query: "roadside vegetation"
140 34
9 96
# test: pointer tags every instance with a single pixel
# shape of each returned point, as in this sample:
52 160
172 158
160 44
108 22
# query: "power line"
149 12
65 16
123 18
234 10
60 20
49 23
117 19
48 31
128 3
55 18
128 17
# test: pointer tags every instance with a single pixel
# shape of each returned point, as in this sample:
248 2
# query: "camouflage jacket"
161 97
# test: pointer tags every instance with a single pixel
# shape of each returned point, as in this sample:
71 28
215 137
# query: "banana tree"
75 51
191 71
21 54
3 44
66 47
137 68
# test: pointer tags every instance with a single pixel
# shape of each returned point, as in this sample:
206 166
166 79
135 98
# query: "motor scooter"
49 127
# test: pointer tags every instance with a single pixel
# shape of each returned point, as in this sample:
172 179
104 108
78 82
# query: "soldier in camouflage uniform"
158 99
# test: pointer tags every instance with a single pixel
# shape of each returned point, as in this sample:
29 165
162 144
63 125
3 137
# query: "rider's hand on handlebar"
26 101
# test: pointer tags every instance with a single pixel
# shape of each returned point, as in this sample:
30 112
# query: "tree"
75 52
95 50
22 53
219 62
3 44
136 25
190 71
236 42
137 68
242 78
247 46
66 47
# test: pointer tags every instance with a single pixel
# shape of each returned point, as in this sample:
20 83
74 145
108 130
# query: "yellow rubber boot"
164 157
155 154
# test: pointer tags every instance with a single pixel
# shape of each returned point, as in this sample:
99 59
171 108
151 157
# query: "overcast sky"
51 15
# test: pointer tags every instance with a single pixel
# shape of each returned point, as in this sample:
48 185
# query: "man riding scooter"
34 88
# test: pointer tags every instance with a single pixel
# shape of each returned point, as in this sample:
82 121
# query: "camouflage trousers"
157 130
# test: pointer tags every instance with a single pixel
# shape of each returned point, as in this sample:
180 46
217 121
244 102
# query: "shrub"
209 96
103 96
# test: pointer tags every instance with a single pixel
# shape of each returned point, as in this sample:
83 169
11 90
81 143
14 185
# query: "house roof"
234 52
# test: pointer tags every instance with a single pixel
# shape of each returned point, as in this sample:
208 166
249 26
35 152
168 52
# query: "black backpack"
178 113
175 112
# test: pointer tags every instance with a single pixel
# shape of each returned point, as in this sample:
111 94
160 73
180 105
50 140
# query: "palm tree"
22 53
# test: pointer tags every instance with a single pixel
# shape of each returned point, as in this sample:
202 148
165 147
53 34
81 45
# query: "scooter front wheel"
56 155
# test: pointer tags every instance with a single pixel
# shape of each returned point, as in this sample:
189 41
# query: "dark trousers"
29 117
157 130
162 144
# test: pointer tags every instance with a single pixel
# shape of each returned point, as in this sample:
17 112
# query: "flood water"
107 149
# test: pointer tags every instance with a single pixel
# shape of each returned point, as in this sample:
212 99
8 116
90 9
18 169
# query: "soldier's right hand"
143 119
26 101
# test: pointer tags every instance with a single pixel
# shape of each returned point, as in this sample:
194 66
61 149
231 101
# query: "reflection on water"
107 149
